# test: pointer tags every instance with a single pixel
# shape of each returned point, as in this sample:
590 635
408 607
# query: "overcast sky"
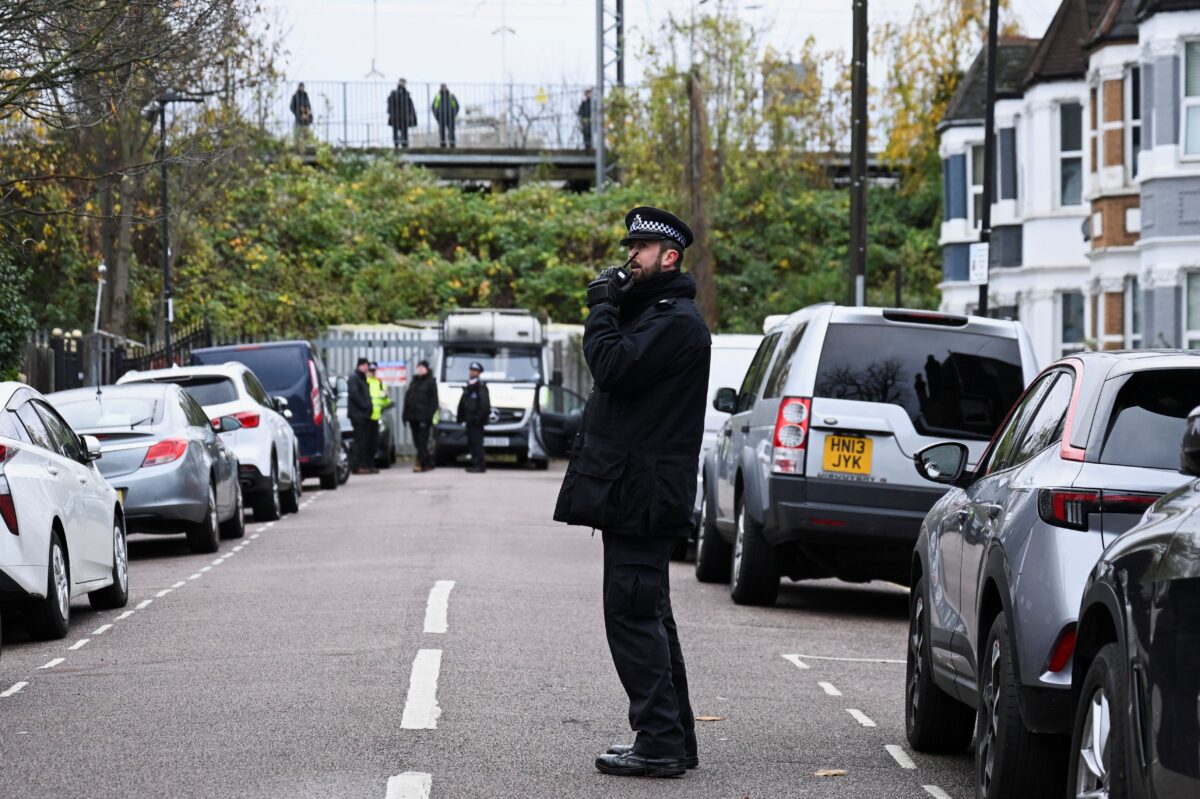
551 41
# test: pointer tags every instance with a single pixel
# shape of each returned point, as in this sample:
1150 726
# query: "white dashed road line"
860 717
7 692
218 561
205 568
125 615
82 642
848 660
179 584
437 606
145 603
935 792
900 756
51 664
409 785
828 688
796 659
195 576
163 593
421 709
102 629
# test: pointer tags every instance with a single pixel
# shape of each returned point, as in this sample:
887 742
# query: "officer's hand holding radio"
610 286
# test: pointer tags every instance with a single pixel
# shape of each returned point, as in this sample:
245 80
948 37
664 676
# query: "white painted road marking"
205 568
409 785
52 663
102 629
900 756
796 659
195 576
163 593
860 717
79 644
125 615
12 689
935 792
829 689
179 584
145 603
218 561
849 660
421 709
254 536
437 606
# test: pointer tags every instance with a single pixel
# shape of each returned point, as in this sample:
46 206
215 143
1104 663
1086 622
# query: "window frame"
66 440
1132 119
973 191
994 460
756 372
1065 347
1186 102
1061 155
1133 298
1191 335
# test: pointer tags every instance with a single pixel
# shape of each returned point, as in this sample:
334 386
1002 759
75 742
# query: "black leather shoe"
690 761
631 764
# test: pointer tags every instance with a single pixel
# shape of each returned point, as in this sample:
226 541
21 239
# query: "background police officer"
633 476
359 411
380 402
474 407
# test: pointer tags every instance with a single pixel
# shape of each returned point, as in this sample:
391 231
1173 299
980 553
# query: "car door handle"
53 470
745 428
994 511
728 431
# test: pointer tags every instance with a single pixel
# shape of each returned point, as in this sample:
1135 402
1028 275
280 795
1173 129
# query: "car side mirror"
1189 449
226 424
725 400
91 448
944 463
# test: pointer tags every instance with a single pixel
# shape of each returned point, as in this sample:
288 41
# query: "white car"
62 531
265 445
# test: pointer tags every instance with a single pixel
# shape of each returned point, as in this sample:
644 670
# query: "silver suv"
812 474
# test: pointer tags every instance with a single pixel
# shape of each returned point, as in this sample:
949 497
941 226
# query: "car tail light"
317 404
165 451
1070 507
247 418
791 435
8 511
1063 649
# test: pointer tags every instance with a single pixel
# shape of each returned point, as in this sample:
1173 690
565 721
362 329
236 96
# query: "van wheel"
51 617
205 535
712 553
754 575
934 720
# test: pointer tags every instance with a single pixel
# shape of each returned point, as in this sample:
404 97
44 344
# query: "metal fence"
491 115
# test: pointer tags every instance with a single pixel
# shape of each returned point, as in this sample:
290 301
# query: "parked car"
812 474
385 453
169 466
64 529
1135 676
267 450
1000 565
293 370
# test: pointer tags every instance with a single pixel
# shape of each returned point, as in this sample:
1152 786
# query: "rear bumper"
20 581
252 480
820 511
162 497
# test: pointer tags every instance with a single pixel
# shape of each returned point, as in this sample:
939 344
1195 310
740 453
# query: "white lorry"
532 418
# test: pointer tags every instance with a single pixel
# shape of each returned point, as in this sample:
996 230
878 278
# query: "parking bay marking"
51 664
102 629
860 717
125 615
179 584
421 709
15 688
163 593
828 688
900 756
935 792
437 606
145 603
794 658
79 644
409 785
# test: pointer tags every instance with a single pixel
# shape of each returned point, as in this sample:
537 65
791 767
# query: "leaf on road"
710 718
830 772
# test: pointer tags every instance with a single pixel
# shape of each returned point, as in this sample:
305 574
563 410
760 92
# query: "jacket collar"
663 286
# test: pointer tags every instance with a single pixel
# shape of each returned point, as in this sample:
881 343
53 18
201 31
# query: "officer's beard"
644 273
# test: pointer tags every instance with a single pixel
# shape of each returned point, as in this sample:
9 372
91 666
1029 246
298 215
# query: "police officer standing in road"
380 402
632 475
360 410
474 407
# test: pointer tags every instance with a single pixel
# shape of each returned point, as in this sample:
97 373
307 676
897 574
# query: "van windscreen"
281 370
951 383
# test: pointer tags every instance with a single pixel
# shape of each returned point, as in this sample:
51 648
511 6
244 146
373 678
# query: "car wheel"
51 617
205 535
712 553
754 577
1009 759
235 525
934 720
289 499
117 594
340 474
1098 740
267 507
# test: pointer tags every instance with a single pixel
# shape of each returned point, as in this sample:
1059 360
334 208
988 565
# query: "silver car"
1002 558
162 454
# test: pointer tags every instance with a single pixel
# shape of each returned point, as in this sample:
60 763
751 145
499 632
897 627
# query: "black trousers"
373 446
644 643
446 132
400 136
361 455
420 434
475 445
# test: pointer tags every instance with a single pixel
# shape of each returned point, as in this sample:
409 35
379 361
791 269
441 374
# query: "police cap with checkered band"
654 224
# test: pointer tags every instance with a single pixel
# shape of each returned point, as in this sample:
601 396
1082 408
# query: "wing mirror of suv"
91 448
281 405
943 463
725 400
1189 450
227 424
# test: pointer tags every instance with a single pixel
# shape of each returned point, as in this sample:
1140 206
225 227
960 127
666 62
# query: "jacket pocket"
674 494
591 490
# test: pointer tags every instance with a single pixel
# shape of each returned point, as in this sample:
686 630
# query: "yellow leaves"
784 263
47 231
454 284
485 290
286 300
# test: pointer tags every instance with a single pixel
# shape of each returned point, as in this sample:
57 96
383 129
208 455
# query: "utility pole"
989 151
608 55
858 158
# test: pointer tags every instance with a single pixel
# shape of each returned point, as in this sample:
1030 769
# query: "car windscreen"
208 390
1148 417
280 369
951 383
92 411
500 364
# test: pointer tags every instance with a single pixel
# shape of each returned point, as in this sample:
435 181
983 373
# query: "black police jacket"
474 405
420 399
633 467
359 404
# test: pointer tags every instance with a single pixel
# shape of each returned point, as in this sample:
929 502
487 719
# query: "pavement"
437 635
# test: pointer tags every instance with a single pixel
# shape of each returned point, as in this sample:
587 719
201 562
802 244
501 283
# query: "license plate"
495 441
848 454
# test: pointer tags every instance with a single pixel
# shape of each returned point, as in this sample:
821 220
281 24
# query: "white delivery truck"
533 418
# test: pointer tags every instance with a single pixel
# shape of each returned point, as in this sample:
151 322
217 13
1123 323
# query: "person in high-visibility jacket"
380 401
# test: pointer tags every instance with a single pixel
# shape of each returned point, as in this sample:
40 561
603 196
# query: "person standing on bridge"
632 475
585 118
402 114
301 110
445 110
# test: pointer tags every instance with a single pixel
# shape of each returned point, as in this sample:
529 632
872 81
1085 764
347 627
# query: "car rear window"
209 390
95 411
951 383
1147 420
280 369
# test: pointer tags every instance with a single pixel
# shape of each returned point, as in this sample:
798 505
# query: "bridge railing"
492 115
